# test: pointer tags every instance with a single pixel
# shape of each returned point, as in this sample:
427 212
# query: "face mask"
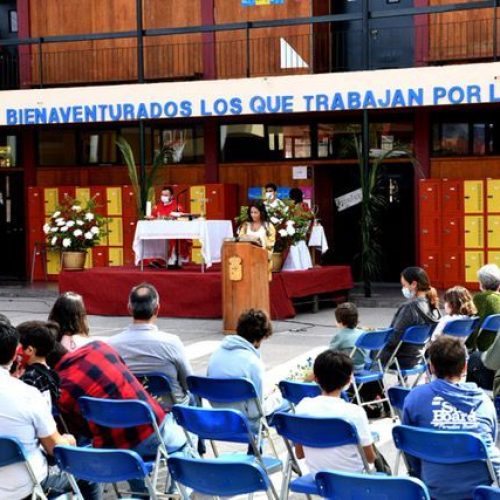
165 199
407 293
269 195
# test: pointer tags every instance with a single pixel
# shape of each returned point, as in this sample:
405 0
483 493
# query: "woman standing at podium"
259 228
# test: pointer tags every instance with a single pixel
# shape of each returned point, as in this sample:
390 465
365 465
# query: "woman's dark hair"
261 208
417 274
41 335
460 301
56 355
347 314
333 370
254 325
296 195
69 313
448 356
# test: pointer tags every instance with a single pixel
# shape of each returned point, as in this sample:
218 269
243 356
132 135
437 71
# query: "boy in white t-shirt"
333 371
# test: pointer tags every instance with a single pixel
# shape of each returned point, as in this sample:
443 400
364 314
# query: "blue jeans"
55 485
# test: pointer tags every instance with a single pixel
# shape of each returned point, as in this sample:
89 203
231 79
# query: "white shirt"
343 458
443 321
73 342
24 414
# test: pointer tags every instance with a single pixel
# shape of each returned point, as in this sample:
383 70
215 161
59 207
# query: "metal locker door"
493 231
473 261
493 195
474 231
473 197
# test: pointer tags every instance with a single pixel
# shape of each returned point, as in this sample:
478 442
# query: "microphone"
177 196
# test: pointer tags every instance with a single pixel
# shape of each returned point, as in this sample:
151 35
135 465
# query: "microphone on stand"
177 196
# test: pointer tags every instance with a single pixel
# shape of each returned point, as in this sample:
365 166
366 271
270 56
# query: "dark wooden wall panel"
466 168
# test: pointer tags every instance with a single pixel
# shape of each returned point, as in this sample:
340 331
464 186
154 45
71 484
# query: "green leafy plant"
162 157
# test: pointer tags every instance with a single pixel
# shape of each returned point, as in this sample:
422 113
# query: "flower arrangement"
290 221
74 227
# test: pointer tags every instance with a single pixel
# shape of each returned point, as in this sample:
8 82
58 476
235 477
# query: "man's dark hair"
448 356
56 355
143 301
168 188
333 370
271 185
4 320
41 335
347 314
254 325
9 340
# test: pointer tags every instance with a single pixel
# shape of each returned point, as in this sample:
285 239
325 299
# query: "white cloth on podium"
298 258
318 238
150 236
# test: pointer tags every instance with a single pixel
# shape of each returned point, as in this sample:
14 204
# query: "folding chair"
496 401
348 486
397 396
12 452
461 327
157 384
491 325
295 392
226 425
442 447
219 478
486 493
415 335
231 390
316 432
102 466
373 372
122 414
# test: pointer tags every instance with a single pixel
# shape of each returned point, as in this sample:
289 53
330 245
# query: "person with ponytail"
420 308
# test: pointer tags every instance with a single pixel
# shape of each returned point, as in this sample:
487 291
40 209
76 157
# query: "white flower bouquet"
75 227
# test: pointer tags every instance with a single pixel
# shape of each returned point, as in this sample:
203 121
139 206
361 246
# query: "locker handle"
467 231
490 231
425 231
467 197
490 196
467 267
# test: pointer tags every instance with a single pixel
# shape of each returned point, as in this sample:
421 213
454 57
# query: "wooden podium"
245 281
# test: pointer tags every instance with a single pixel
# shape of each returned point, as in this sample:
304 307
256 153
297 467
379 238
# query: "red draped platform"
188 293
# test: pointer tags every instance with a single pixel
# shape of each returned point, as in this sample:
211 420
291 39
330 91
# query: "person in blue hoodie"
449 404
239 356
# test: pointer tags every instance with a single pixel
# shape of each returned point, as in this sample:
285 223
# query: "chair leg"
286 480
396 465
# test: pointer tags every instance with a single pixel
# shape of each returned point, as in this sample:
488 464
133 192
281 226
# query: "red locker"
222 201
98 194
100 256
129 203
66 192
453 268
128 257
35 234
430 232
453 233
36 208
129 226
452 196
430 196
430 261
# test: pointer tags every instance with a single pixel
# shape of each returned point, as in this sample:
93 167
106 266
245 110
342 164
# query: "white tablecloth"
318 238
150 236
298 258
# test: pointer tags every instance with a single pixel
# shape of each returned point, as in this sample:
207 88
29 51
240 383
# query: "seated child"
458 304
333 371
344 340
38 339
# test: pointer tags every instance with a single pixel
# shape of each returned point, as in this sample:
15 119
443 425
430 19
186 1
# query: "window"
290 141
451 139
8 151
57 147
387 136
183 145
99 147
336 140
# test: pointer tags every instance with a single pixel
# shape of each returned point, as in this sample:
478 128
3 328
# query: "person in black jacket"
421 308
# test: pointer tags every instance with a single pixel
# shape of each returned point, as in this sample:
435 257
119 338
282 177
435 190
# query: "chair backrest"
397 395
217 424
491 322
344 485
486 493
218 477
316 432
11 451
461 327
374 341
497 406
116 413
100 466
222 390
442 447
156 383
297 391
417 334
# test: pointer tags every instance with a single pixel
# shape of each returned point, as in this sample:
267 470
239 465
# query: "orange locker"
430 232
430 196
98 193
100 256
66 192
452 235
222 201
453 268
430 262
35 203
452 198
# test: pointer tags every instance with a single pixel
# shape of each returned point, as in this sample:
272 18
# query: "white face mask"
269 195
165 198
407 293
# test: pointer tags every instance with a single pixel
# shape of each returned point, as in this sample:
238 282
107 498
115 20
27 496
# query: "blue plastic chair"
12 452
220 478
415 335
373 342
491 324
461 327
315 432
348 486
158 385
295 392
442 447
486 493
496 401
226 425
225 391
102 466
122 414
397 396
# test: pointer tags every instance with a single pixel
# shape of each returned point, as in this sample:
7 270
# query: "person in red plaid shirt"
96 370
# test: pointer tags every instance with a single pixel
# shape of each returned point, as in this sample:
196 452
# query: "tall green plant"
160 159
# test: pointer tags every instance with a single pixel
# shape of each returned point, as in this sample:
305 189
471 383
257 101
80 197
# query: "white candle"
148 209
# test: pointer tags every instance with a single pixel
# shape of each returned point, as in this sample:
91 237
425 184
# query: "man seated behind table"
169 206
